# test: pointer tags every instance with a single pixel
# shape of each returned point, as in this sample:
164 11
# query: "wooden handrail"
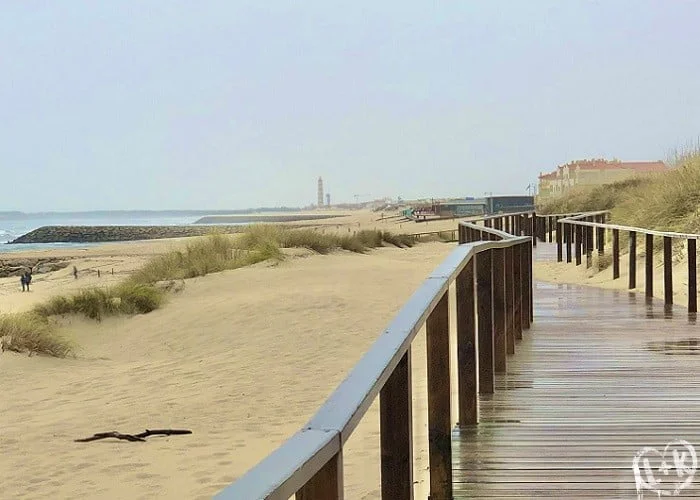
310 463
578 229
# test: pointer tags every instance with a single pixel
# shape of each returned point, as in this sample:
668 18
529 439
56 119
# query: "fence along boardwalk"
600 375
597 376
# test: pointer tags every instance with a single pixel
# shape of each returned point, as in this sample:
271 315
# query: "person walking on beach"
26 279
75 272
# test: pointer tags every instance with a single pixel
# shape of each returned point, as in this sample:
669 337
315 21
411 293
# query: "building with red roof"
594 172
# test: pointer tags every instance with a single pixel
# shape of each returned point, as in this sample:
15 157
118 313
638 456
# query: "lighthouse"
320 192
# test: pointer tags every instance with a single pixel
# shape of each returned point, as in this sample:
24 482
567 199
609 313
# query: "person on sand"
75 272
26 279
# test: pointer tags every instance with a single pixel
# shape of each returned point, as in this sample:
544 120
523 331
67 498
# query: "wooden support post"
578 243
507 222
533 229
525 284
668 271
396 430
560 250
499 309
632 284
589 246
692 277
327 483
549 229
569 237
616 253
649 265
439 432
601 240
484 286
517 294
466 346
510 309
531 286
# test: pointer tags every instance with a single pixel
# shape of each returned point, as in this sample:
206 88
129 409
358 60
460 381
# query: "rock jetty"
15 267
100 234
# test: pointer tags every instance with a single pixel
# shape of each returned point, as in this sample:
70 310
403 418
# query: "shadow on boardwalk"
600 375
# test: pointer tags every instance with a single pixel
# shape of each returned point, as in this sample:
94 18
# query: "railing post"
560 251
531 285
439 432
499 309
484 286
578 243
396 429
510 309
601 239
507 223
692 277
549 229
517 293
569 236
616 253
525 284
466 346
632 284
649 265
589 246
326 484
533 229
668 271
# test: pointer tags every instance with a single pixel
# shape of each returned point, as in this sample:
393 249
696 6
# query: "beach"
242 358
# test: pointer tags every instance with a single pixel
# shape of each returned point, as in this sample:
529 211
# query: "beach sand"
242 358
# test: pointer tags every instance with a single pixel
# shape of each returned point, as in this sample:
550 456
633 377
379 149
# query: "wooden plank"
598 379
439 437
466 346
326 484
499 309
484 304
396 426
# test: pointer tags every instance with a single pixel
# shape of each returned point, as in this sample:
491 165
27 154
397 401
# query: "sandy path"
242 358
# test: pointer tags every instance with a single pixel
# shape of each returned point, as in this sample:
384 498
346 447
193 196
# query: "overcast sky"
234 104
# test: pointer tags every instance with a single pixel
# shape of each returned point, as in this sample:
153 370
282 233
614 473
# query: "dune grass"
140 293
32 333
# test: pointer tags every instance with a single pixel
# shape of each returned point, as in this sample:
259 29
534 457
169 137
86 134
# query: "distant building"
482 206
594 172
320 192
328 199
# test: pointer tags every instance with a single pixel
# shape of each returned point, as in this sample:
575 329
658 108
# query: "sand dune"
242 358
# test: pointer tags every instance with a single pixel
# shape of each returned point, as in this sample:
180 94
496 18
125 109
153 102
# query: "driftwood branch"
133 437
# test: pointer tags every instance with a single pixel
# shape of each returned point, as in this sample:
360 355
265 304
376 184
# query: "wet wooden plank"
600 375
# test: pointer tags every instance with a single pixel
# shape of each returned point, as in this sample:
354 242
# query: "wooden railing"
492 273
587 232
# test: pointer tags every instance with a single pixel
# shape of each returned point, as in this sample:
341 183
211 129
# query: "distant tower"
320 192
328 199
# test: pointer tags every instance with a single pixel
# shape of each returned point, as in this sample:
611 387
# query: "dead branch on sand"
132 437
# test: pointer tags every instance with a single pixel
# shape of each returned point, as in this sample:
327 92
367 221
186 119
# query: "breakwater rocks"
101 234
253 218
15 267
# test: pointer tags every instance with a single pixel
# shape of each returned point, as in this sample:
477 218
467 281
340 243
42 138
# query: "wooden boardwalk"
599 376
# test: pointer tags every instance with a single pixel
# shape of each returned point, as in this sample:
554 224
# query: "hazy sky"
231 104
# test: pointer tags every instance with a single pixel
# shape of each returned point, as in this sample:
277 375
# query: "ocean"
13 225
